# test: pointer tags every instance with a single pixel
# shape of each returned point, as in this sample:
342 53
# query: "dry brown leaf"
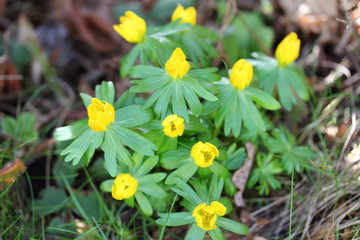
241 175
10 171
9 77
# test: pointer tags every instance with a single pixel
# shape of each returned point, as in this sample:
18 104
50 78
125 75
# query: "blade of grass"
10 226
162 230
32 202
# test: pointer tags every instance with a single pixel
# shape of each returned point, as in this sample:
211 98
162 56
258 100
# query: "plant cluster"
184 134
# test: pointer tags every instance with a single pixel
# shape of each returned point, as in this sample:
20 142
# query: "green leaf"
298 158
90 204
76 150
151 83
105 92
219 169
129 60
251 115
72 131
106 185
265 174
67 170
144 203
216 234
195 233
152 178
232 225
189 193
127 98
146 167
185 172
169 29
262 98
51 200
153 190
175 158
132 116
192 100
175 219
234 159
130 201
135 141
144 71
86 98
216 187
111 149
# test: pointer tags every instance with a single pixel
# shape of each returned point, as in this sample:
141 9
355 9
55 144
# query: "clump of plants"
185 134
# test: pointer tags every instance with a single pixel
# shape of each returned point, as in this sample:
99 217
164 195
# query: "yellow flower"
124 186
177 66
204 154
205 216
187 15
288 49
241 74
131 27
173 126
101 114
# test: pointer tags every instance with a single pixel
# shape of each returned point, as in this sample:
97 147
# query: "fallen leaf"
10 171
241 175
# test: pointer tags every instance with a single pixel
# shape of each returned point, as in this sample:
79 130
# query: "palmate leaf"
290 80
236 107
172 95
87 141
265 174
112 140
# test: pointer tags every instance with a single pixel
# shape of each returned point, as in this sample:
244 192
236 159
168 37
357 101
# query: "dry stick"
231 10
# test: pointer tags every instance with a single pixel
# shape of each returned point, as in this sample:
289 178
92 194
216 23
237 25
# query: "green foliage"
246 34
215 111
288 81
118 133
51 200
293 157
21 128
201 192
177 92
237 106
264 175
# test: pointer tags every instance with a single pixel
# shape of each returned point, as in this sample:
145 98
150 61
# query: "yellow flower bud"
187 15
204 154
206 216
124 186
288 49
241 74
173 126
131 27
101 114
177 66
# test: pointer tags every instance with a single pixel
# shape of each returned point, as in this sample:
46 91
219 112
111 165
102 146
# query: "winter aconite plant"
184 124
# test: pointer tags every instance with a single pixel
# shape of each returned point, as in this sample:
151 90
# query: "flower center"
173 127
207 156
